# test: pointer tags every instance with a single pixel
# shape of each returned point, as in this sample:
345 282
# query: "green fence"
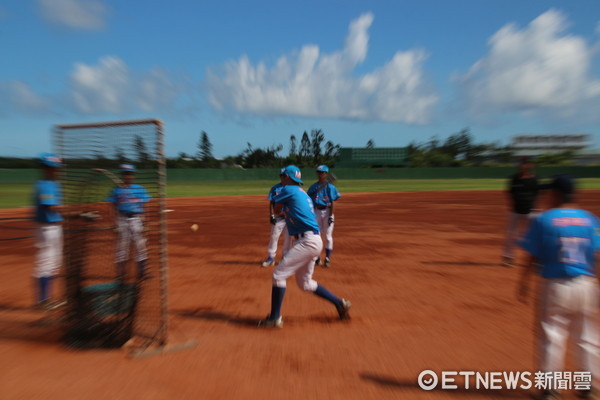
19 175
199 175
192 175
458 173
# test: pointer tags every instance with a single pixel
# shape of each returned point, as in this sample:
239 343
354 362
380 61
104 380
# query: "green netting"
109 299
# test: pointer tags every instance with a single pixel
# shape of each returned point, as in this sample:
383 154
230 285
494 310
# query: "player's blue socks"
43 288
328 253
121 269
327 295
141 268
277 294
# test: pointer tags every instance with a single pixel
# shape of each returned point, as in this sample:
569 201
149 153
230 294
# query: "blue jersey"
275 190
129 199
323 195
47 193
565 241
298 210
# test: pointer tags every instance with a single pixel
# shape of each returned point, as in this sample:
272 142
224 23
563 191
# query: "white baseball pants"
276 231
325 228
130 229
569 307
300 261
49 245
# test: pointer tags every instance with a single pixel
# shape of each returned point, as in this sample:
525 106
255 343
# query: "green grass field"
14 195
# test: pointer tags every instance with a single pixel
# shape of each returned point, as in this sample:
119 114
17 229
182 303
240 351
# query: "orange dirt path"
421 269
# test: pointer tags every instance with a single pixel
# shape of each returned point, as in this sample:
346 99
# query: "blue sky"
258 72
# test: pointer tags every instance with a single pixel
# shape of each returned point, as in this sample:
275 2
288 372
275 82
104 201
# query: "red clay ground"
421 270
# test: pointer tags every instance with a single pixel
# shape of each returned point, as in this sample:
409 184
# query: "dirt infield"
421 270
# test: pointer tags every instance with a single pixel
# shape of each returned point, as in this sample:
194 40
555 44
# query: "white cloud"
75 14
102 88
156 91
110 88
539 70
313 84
17 96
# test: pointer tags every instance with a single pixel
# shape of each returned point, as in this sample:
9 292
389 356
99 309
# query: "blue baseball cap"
282 172
127 168
294 173
322 168
50 160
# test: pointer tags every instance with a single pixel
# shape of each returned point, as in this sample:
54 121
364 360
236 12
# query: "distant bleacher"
355 157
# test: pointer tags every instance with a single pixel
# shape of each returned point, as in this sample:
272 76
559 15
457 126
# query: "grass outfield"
19 194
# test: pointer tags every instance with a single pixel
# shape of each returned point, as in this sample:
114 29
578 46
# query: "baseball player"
323 194
300 259
47 199
522 192
564 242
129 201
277 220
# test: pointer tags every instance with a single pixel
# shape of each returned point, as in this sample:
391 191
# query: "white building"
549 143
535 145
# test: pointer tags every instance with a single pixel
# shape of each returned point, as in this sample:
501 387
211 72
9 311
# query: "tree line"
312 149
460 150
457 150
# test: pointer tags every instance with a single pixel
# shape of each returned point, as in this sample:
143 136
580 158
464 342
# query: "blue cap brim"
52 164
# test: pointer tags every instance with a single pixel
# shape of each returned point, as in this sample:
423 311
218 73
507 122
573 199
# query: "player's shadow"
323 319
39 329
410 385
236 262
22 323
209 314
463 263
13 307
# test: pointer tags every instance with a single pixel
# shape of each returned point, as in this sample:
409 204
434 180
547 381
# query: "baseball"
194 227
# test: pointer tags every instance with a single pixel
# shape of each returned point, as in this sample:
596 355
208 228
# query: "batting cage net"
115 260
